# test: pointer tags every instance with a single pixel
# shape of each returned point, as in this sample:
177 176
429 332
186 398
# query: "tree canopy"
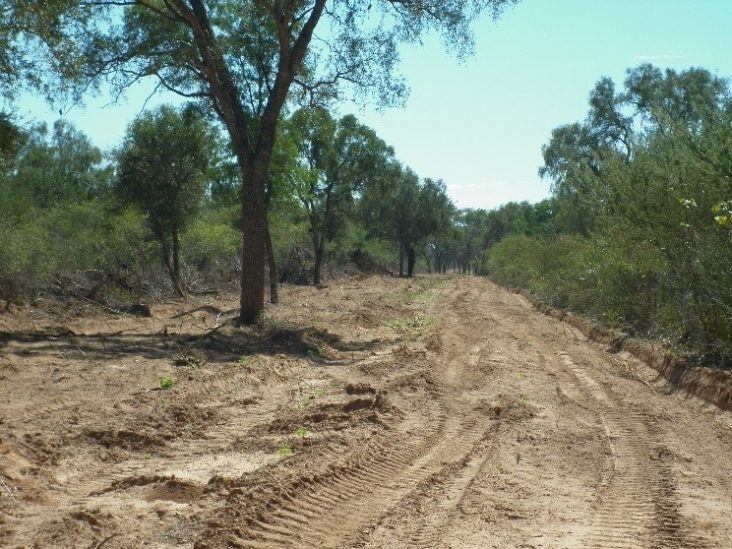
163 166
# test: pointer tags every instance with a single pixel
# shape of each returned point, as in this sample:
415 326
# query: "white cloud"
660 57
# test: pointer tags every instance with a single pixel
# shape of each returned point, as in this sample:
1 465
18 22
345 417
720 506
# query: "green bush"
210 246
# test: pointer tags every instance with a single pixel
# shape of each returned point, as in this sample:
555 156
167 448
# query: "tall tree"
243 57
163 164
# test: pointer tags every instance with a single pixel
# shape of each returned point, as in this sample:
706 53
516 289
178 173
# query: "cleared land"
379 413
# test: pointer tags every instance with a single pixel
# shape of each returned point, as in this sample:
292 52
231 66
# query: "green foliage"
303 432
166 383
333 161
723 214
210 243
128 243
416 215
163 165
354 246
60 168
414 323
74 237
644 181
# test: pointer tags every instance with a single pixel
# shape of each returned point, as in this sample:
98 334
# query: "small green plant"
247 360
397 324
285 450
302 432
304 395
166 383
410 295
521 375
417 322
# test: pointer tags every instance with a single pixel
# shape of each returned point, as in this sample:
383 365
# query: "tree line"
642 212
165 202
636 232
240 60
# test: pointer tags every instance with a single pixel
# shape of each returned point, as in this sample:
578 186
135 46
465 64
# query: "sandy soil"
375 413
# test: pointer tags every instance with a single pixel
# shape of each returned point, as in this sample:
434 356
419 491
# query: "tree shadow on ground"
221 344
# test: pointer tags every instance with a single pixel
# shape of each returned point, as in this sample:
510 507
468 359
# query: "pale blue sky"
480 125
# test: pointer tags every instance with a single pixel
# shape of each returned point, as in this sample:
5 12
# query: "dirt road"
379 413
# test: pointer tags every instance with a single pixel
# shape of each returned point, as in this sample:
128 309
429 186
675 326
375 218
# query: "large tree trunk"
253 156
254 229
274 295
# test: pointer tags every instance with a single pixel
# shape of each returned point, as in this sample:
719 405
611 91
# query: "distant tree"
59 168
163 166
412 213
433 218
335 160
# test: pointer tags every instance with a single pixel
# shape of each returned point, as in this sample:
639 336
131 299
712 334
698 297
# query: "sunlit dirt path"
444 412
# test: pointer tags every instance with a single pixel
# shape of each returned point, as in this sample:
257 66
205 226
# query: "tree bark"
401 259
168 262
274 295
429 263
176 264
319 257
411 260
254 229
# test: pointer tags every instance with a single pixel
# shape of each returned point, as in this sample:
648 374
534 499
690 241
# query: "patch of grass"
410 295
303 432
166 383
521 376
247 360
417 322
285 450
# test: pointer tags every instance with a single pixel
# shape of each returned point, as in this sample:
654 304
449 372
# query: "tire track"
421 518
340 502
438 449
636 504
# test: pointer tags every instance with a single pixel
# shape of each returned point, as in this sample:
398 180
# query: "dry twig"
9 491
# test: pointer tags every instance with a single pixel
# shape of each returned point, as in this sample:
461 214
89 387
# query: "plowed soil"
375 413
